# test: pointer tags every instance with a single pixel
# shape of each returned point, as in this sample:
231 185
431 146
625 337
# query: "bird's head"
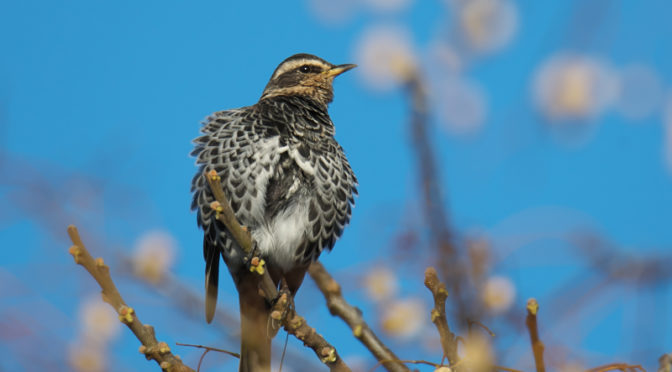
305 75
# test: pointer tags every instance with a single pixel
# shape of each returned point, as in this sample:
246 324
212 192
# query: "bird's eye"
304 68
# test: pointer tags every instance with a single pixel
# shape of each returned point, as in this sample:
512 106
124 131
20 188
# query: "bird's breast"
282 234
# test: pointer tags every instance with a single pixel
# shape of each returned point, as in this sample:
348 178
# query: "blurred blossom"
99 321
487 25
446 57
461 103
479 354
381 283
153 256
574 87
385 56
498 294
667 129
640 92
333 12
388 5
404 318
86 357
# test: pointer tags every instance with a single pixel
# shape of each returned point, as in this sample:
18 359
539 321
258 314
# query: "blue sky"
101 100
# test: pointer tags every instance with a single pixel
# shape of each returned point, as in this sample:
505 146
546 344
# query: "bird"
288 182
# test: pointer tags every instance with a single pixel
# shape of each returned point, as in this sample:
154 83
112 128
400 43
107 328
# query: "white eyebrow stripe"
291 65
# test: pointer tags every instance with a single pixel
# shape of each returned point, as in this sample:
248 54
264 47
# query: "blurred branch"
27 197
293 323
618 366
338 306
537 345
432 189
151 348
433 193
605 257
448 339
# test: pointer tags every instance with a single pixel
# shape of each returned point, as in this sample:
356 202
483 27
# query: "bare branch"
433 190
231 353
338 306
537 345
151 348
293 323
225 213
448 339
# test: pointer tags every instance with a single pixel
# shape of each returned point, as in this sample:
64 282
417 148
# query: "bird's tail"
255 348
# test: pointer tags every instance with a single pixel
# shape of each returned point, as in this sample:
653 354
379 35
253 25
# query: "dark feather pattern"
271 156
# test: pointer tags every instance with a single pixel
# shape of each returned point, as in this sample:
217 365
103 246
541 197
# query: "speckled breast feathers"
286 177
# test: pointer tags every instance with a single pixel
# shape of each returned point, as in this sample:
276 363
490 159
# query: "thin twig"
448 339
231 353
380 362
471 322
537 345
284 350
151 348
338 306
292 322
200 360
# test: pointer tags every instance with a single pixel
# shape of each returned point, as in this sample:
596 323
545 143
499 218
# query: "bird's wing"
335 187
244 156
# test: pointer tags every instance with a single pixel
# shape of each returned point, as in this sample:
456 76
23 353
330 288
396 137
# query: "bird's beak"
337 70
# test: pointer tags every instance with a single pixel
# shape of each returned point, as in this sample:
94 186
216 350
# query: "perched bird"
288 182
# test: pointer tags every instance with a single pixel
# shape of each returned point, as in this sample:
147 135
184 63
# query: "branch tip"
438 315
110 294
533 329
532 306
